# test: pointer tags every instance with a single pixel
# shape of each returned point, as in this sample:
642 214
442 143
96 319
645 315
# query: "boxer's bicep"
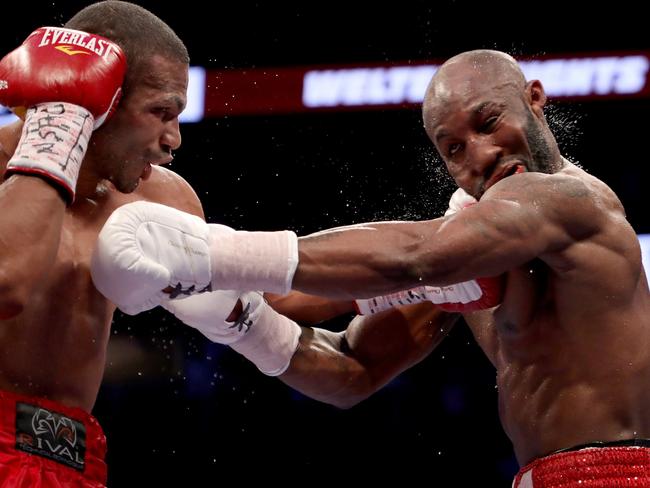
486 239
495 236
545 215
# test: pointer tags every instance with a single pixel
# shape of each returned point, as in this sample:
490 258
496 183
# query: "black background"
176 407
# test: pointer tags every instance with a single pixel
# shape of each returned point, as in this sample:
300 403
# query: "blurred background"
266 153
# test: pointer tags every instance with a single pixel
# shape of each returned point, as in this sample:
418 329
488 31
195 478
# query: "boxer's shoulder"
169 188
163 186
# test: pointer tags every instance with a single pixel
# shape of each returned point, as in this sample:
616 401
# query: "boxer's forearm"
367 260
308 309
321 370
374 259
31 216
344 368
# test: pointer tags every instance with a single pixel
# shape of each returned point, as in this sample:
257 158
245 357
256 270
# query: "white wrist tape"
271 339
458 293
379 304
53 143
243 260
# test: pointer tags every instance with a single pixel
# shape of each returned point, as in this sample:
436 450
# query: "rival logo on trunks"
49 434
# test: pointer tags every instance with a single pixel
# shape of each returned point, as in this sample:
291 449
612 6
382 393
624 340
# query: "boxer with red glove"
65 83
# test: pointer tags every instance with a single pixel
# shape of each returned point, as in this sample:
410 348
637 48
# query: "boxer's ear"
536 95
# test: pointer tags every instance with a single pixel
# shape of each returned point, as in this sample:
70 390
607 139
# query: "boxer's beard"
541 155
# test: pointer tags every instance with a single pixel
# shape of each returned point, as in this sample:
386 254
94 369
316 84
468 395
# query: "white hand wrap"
469 295
260 334
146 247
53 143
253 260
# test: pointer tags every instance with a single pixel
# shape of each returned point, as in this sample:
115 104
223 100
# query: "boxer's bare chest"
66 323
67 296
78 236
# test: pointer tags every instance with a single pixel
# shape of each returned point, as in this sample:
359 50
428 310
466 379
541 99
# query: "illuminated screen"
266 91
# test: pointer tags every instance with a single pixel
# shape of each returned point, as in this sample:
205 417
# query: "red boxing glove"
64 83
488 294
63 65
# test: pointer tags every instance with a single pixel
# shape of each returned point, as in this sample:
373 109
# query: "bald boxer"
570 340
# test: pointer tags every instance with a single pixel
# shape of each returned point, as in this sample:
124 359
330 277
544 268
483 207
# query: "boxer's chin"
126 186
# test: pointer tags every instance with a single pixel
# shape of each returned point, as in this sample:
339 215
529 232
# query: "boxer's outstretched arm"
539 217
526 218
344 368
363 261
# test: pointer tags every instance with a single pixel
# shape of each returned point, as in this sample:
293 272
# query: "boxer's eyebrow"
179 102
441 134
479 108
172 100
483 107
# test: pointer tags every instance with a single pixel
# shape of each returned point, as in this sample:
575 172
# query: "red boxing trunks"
46 445
613 464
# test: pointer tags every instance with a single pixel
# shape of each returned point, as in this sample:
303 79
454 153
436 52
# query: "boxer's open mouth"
501 173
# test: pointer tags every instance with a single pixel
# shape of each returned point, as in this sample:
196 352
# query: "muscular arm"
344 368
520 218
31 217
